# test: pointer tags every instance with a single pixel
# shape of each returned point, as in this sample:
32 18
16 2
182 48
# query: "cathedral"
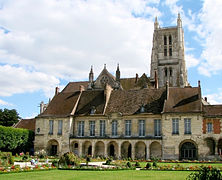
161 116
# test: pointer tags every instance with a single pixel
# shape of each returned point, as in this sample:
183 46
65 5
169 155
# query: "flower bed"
17 168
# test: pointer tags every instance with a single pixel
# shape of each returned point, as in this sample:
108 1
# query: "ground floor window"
188 151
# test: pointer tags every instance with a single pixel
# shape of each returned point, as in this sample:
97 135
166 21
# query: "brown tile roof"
61 104
90 99
212 110
26 124
130 102
183 100
74 86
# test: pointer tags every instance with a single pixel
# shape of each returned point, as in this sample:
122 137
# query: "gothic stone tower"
167 59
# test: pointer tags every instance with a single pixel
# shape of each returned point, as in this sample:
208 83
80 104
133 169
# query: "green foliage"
206 173
128 164
69 158
25 157
108 162
55 163
6 158
148 165
15 139
8 117
154 164
137 164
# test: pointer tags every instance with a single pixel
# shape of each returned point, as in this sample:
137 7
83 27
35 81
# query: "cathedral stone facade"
159 116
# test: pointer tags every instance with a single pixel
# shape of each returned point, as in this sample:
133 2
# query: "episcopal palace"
161 116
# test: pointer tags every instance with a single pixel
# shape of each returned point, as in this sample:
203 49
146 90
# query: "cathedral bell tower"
167 59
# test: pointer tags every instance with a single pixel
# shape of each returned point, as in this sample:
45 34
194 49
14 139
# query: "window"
170 51
81 128
209 127
92 128
170 40
60 127
157 127
165 51
175 126
141 127
114 128
171 71
165 40
128 128
187 126
165 70
102 128
51 122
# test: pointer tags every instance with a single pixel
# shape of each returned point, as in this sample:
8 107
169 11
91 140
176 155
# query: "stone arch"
75 147
52 147
99 149
87 148
140 150
155 150
210 145
188 150
112 149
126 149
219 147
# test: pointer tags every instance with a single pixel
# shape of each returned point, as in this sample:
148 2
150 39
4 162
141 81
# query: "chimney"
41 107
81 88
199 83
156 80
205 98
56 90
137 76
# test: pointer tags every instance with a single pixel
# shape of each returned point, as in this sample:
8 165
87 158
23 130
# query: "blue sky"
44 44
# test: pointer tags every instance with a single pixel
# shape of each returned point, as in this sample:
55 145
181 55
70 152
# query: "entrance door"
188 151
112 150
54 150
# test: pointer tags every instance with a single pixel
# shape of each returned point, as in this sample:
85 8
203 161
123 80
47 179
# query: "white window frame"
60 125
92 125
175 126
114 128
157 127
127 127
187 125
142 128
209 127
102 128
81 127
51 124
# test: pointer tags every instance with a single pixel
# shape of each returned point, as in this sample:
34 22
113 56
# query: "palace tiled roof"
212 110
74 86
183 100
26 124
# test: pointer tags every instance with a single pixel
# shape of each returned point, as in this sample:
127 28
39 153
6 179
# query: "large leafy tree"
8 117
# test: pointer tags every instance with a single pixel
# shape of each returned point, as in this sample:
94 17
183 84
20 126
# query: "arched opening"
155 150
52 148
87 148
219 147
210 144
99 149
188 150
140 150
75 147
126 150
112 149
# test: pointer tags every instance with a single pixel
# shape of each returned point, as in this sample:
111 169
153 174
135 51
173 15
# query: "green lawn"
97 175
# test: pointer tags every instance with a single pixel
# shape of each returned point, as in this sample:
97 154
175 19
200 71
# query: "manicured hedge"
15 140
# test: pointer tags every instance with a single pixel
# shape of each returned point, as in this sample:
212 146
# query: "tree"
8 117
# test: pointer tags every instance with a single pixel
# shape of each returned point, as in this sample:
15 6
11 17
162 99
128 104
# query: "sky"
44 44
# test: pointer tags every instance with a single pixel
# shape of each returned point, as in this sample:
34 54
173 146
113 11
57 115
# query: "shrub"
69 158
25 157
6 158
108 162
55 163
206 173
137 164
154 164
128 164
148 165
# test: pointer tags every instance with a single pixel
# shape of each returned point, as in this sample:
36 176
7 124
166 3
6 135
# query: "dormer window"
142 109
93 110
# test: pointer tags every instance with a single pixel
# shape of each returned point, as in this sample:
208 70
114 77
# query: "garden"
70 166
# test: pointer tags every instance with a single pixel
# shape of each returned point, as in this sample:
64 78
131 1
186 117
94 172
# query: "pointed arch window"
170 40
165 70
170 51
165 40
171 72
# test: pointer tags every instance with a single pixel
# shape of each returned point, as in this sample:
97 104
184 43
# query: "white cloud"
4 103
18 80
215 98
191 61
